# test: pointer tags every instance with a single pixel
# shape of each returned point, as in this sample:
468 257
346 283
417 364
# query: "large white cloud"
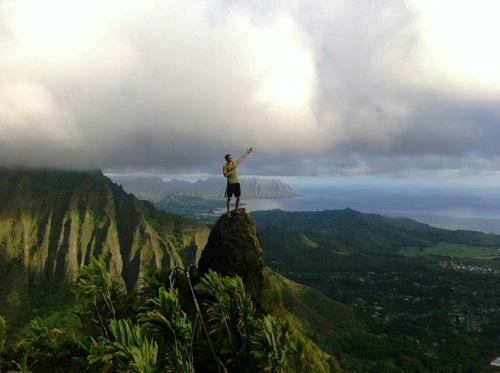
175 85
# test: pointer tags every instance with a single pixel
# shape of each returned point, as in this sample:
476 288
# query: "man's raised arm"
248 151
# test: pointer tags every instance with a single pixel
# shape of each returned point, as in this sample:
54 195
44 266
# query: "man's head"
228 157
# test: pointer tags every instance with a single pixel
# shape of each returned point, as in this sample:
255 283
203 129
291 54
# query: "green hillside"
325 321
428 297
349 230
52 222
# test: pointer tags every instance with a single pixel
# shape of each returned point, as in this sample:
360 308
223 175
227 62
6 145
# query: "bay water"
469 208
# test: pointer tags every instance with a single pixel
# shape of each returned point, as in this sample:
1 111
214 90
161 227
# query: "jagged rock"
233 248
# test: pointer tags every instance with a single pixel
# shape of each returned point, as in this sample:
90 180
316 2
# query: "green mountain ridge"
355 231
52 222
427 298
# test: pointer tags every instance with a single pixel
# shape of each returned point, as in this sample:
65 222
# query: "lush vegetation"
53 221
158 329
428 299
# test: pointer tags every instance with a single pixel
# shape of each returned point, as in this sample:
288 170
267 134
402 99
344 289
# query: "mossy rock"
234 249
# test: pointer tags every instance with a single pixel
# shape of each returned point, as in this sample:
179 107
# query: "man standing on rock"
233 183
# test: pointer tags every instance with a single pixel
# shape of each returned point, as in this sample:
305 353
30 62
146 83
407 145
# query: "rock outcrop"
233 248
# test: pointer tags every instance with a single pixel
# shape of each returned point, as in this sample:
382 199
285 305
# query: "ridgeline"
52 222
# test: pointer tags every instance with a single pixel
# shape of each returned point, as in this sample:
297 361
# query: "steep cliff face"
53 222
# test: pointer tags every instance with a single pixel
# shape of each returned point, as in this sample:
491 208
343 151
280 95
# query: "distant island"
155 189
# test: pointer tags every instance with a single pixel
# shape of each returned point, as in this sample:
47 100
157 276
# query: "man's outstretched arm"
248 151
227 169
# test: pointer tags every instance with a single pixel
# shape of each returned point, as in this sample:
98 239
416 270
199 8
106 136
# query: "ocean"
469 208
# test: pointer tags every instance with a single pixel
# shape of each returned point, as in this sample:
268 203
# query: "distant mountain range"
153 188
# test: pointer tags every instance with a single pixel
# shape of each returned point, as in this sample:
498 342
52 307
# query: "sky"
392 89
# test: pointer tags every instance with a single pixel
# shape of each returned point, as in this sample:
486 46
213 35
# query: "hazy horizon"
469 206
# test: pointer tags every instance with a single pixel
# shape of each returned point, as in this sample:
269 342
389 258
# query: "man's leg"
237 194
228 203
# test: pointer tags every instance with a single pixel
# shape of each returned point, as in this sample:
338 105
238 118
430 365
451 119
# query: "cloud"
315 87
31 120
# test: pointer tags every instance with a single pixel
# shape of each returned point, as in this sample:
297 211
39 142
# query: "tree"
43 348
164 319
230 316
96 293
272 343
128 351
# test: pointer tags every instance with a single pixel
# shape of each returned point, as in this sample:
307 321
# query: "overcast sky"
328 87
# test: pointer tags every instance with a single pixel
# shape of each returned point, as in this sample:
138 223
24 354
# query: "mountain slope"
352 231
52 222
329 324
428 297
